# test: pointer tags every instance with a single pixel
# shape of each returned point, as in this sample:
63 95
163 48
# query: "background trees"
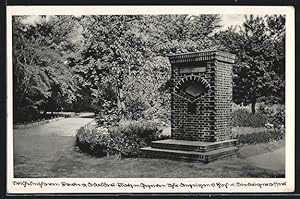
259 45
42 79
125 56
117 65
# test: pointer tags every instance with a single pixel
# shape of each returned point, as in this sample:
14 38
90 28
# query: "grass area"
49 151
56 157
256 149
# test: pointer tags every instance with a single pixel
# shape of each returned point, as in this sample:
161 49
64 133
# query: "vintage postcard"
150 99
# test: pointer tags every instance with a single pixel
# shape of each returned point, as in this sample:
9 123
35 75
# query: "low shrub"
278 119
124 140
130 136
92 140
260 137
275 115
243 117
107 119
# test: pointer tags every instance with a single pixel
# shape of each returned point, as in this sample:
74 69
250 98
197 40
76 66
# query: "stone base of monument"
190 150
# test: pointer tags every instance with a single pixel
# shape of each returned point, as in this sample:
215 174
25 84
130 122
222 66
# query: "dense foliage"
117 66
275 114
42 78
124 61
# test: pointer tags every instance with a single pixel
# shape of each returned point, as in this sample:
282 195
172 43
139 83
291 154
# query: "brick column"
201 98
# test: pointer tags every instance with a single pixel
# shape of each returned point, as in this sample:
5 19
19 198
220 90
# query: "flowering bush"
278 119
275 115
125 140
130 136
92 140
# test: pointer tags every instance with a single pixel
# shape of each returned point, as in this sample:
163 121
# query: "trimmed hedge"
92 140
124 140
130 136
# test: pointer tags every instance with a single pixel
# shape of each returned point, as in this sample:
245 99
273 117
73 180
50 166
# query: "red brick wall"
223 100
212 120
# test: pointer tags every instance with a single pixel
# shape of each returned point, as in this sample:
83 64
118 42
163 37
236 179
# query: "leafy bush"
243 117
107 119
92 140
260 137
276 115
278 118
125 140
130 136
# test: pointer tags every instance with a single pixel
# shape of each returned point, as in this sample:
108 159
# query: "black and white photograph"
170 95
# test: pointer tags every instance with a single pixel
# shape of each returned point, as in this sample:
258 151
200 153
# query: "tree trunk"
45 110
120 99
253 102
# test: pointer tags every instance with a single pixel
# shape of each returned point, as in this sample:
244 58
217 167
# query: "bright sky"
231 20
227 20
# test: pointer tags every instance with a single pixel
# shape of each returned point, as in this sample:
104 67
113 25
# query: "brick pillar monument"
201 104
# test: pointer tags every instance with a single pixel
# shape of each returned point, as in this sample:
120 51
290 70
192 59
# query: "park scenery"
94 94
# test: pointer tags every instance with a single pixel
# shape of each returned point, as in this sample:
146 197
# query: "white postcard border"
151 185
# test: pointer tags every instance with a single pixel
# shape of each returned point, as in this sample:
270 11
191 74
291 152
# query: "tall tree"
118 50
39 55
184 33
258 73
115 47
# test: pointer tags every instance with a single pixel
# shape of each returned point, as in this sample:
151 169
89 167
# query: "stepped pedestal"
190 150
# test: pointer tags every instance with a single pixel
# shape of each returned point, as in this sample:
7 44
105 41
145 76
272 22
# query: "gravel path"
37 150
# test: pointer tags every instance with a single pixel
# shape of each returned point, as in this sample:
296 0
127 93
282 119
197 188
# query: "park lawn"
45 152
56 157
161 168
